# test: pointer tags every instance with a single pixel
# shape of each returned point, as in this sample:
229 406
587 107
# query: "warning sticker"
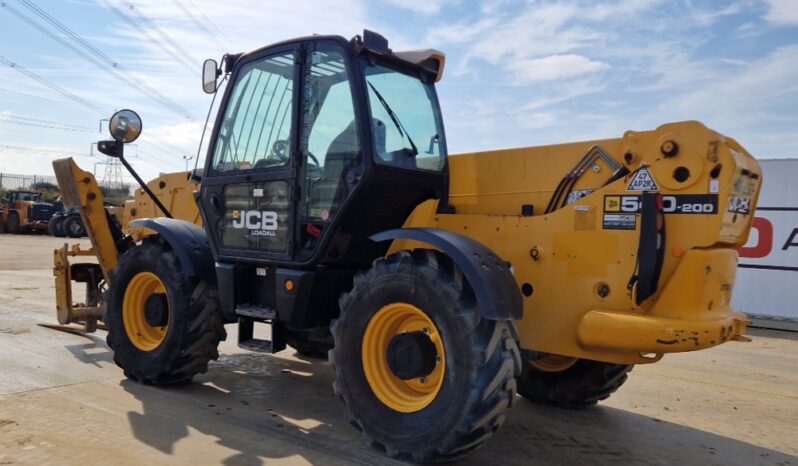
642 181
620 221
576 195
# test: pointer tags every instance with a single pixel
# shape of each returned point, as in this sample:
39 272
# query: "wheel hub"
404 359
411 355
156 310
145 311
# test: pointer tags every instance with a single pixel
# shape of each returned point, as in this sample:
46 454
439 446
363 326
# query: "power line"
214 35
156 159
8 117
83 102
53 86
48 33
107 62
176 51
34 150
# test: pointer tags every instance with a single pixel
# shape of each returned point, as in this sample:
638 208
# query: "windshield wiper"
402 131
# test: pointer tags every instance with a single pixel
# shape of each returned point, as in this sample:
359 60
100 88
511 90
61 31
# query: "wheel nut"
423 380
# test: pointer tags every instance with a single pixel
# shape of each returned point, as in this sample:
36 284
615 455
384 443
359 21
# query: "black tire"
54 225
195 325
583 384
73 227
12 223
482 360
59 228
310 343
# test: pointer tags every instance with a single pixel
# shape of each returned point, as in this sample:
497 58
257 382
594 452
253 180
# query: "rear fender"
494 286
188 241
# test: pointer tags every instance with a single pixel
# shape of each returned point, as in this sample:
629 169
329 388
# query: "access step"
247 341
256 312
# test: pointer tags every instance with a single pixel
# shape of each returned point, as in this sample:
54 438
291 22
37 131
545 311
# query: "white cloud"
422 7
748 97
555 67
459 33
782 12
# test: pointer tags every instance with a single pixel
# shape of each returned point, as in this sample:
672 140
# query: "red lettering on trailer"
764 243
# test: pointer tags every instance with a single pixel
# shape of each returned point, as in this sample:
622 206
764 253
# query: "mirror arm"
116 149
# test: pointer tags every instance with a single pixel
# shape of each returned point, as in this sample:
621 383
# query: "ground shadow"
265 407
94 352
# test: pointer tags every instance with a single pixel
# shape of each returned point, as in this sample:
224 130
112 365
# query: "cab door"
249 188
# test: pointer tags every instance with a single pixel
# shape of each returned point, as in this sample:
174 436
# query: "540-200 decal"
702 204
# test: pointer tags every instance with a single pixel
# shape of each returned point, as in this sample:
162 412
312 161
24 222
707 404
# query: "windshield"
256 128
406 124
27 196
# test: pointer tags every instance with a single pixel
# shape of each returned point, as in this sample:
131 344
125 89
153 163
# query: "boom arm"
80 190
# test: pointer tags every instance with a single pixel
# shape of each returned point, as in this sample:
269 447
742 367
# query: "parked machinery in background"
25 211
66 223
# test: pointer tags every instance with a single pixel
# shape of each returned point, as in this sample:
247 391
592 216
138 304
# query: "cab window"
406 123
330 139
255 132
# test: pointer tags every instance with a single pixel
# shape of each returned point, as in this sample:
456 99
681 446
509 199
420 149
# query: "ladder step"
253 344
256 312
247 340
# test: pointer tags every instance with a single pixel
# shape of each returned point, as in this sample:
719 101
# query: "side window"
329 137
406 123
256 130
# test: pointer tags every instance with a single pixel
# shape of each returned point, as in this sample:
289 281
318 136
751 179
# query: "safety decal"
576 195
642 180
620 222
740 205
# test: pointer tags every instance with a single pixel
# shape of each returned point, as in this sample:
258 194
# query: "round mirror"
125 126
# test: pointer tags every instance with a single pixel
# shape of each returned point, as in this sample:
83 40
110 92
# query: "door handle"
216 203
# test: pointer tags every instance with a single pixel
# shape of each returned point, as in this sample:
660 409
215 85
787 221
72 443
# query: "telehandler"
328 209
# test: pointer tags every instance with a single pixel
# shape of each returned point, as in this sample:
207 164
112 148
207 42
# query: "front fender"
494 286
188 241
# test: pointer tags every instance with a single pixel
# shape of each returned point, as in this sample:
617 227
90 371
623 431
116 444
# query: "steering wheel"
314 167
279 150
315 161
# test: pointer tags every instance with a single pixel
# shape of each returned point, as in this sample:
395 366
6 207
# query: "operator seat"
342 154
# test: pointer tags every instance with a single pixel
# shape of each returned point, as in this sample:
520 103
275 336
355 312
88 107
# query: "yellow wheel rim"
553 363
143 335
404 396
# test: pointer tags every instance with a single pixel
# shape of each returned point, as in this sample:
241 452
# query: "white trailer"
767 277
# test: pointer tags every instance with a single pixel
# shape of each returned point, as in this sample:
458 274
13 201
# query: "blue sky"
517 74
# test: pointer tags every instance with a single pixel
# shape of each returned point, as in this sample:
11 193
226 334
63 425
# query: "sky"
518 73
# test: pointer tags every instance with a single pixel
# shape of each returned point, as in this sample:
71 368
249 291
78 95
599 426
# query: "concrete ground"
63 401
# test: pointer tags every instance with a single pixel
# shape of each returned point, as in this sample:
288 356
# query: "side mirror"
210 72
125 126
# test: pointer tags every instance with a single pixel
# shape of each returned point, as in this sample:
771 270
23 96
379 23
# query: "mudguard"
188 241
494 286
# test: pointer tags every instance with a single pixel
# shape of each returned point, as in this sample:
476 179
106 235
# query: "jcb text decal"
259 223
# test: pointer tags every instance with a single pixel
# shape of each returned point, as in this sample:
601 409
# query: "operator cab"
23 196
320 143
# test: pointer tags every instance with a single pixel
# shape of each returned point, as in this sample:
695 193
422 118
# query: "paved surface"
63 401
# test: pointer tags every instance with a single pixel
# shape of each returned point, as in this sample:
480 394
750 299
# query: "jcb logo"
628 204
255 220
612 204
